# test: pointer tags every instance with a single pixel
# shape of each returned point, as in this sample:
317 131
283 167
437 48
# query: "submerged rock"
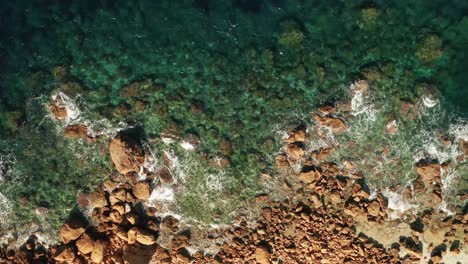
337 125
126 153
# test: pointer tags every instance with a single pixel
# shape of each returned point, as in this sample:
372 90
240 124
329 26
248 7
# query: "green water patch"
48 171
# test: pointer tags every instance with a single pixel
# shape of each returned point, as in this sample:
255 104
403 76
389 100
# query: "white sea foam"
186 145
397 203
429 102
162 194
73 112
214 181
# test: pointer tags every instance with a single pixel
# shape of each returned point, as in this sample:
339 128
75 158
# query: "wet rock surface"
321 213
126 153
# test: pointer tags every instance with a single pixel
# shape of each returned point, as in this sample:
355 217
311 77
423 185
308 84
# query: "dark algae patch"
226 73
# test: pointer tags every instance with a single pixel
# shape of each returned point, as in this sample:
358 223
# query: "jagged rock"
118 196
464 146
334 123
281 161
59 112
72 230
428 170
99 250
299 134
65 253
142 190
126 153
374 208
138 254
145 237
294 150
180 240
85 244
97 198
262 256
171 223
309 176
327 109
76 131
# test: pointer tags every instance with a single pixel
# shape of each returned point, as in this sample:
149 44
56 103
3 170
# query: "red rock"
126 153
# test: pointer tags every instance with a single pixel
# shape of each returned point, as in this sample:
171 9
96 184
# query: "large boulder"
126 153
72 230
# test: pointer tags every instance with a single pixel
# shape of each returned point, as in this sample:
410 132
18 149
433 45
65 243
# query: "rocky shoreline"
320 212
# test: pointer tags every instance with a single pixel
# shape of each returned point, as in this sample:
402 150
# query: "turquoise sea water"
229 72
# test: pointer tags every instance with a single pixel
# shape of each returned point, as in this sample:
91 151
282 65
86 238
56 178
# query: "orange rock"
85 244
76 131
299 134
428 170
126 153
142 190
99 251
334 123
309 176
373 208
97 198
464 146
295 150
262 256
65 253
281 161
72 230
145 237
59 112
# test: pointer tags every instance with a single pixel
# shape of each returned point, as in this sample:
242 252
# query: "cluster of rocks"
316 223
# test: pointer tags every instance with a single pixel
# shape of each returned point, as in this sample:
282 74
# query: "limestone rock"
126 153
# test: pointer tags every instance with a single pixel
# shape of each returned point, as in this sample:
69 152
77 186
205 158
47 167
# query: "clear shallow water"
250 67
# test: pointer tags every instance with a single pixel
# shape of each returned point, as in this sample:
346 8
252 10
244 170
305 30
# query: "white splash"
162 194
187 146
214 181
73 112
397 203
429 102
